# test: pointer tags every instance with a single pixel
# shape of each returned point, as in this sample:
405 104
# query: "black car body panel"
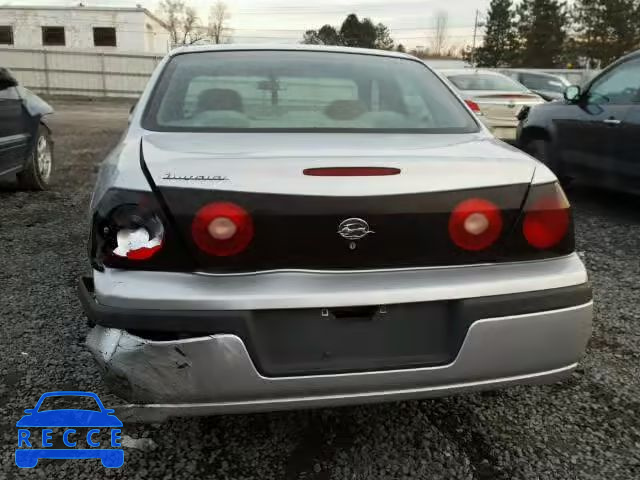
594 138
21 114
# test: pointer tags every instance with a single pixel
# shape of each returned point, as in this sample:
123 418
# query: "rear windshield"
478 81
544 82
302 91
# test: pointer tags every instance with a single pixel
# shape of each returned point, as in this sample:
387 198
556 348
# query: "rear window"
302 91
543 82
478 81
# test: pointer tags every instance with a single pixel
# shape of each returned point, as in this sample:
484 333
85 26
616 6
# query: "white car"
495 97
299 226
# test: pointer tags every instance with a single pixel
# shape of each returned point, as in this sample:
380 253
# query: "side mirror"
29 411
572 93
6 79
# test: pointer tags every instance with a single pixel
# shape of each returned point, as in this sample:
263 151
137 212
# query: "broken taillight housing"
130 231
138 235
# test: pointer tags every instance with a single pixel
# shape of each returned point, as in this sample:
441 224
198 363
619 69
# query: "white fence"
94 74
77 72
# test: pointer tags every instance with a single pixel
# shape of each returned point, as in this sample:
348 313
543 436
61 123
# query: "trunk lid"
298 219
503 106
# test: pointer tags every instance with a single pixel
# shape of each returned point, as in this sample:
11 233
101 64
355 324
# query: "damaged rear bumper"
215 374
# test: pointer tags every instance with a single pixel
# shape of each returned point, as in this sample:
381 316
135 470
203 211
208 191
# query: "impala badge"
354 229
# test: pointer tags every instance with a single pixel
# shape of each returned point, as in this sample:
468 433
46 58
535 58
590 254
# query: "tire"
541 149
37 172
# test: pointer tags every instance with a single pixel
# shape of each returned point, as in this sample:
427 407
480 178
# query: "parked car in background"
548 86
305 226
26 146
594 134
494 96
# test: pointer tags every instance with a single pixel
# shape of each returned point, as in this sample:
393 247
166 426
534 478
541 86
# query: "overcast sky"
280 21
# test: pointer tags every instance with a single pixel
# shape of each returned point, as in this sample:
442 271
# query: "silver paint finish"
430 162
274 162
309 289
215 374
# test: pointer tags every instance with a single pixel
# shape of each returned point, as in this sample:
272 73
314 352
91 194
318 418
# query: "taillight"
475 224
547 217
474 107
130 231
222 229
133 232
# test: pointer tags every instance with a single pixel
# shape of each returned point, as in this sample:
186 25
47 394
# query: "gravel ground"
587 427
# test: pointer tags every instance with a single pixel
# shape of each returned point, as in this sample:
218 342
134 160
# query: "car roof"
469 71
621 60
534 72
288 47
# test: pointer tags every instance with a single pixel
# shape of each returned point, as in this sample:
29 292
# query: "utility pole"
475 32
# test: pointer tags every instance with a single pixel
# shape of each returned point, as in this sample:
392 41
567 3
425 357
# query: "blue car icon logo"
32 447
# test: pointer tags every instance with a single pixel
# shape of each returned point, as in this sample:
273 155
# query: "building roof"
86 9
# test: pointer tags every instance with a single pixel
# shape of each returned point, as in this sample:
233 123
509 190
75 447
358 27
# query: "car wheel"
541 149
37 173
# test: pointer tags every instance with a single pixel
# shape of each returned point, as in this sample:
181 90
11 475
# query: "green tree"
542 31
383 37
400 48
356 33
606 29
501 38
352 33
327 35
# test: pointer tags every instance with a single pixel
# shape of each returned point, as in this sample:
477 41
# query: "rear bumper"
215 374
188 344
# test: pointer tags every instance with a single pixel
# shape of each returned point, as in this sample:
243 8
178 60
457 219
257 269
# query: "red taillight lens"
473 106
546 222
475 224
222 229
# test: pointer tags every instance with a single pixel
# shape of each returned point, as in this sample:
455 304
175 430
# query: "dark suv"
594 134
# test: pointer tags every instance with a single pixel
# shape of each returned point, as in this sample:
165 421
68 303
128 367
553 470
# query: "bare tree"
217 30
191 31
441 27
181 20
171 13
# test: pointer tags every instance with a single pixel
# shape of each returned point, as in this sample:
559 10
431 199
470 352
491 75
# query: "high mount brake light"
222 229
350 171
475 224
546 222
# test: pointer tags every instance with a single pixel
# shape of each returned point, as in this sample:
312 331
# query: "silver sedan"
496 98
311 226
